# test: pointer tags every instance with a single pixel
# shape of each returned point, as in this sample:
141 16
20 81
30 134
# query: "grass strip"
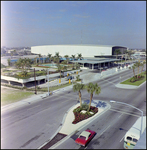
136 83
11 96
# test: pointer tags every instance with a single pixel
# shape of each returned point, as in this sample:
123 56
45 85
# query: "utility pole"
35 81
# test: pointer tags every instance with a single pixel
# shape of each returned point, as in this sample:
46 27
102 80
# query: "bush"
80 116
85 106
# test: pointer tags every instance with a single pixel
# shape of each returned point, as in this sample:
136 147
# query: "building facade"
85 50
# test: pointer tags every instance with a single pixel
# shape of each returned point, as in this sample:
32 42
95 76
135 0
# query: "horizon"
36 23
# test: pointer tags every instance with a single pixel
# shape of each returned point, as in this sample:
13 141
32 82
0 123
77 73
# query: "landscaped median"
137 82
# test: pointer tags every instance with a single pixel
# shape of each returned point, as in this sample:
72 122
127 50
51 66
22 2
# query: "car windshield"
82 137
135 140
129 138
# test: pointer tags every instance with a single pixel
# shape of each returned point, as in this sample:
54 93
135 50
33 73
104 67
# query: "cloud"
81 16
62 10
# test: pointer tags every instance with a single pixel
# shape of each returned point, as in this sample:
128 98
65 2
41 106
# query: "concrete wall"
85 50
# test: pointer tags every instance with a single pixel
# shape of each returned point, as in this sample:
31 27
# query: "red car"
85 137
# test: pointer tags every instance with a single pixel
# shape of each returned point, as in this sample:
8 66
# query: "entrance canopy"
96 63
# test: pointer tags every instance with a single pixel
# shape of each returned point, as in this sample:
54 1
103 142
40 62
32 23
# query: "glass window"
82 137
135 140
129 138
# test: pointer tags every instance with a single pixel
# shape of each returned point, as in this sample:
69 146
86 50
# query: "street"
31 126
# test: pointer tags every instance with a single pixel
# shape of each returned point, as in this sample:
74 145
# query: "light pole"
112 101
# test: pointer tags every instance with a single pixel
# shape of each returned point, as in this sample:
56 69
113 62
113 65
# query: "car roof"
85 133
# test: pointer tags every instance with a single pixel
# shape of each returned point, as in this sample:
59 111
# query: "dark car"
69 77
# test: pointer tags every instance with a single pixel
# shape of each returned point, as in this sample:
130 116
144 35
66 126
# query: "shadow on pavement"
57 138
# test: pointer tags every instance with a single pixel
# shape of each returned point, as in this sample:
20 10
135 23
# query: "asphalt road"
31 126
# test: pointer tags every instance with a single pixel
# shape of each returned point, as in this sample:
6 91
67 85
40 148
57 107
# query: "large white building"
85 50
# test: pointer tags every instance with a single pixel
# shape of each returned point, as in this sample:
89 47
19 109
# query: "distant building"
85 50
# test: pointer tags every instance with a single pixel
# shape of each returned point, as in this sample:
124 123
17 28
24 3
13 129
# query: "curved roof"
81 45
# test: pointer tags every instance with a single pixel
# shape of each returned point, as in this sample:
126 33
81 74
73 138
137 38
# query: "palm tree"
9 62
91 88
57 57
49 56
67 58
133 67
60 68
117 51
77 66
137 64
73 57
142 66
78 87
79 56
39 57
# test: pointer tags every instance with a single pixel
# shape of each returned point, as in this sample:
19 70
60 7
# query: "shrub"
85 106
80 116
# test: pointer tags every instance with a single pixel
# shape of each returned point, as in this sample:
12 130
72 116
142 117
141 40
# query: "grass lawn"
55 87
10 95
137 83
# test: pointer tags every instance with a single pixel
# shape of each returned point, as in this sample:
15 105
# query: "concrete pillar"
23 84
9 82
38 82
92 66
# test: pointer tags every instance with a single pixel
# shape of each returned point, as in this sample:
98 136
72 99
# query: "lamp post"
112 101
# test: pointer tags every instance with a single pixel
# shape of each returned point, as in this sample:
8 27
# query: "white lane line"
125 113
122 138
5 118
104 130
33 107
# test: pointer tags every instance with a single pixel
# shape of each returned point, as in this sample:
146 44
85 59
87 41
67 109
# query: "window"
135 140
82 137
129 138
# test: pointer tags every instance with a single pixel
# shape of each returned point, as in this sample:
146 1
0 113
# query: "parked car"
85 137
69 77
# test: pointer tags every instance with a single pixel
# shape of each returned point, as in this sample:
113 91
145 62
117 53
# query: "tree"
73 57
78 87
117 51
138 64
91 88
79 56
39 57
23 63
143 63
49 56
9 61
67 58
57 57
133 67
77 66
60 68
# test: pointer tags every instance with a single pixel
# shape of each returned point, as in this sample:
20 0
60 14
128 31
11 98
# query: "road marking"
122 138
5 118
33 107
104 130
125 113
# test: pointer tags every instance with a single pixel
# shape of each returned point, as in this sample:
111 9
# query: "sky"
36 23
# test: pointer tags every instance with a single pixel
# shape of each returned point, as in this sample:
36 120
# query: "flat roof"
95 60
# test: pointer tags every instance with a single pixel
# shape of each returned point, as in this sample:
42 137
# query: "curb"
77 130
60 126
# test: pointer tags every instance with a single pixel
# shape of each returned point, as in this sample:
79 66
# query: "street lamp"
48 81
112 101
